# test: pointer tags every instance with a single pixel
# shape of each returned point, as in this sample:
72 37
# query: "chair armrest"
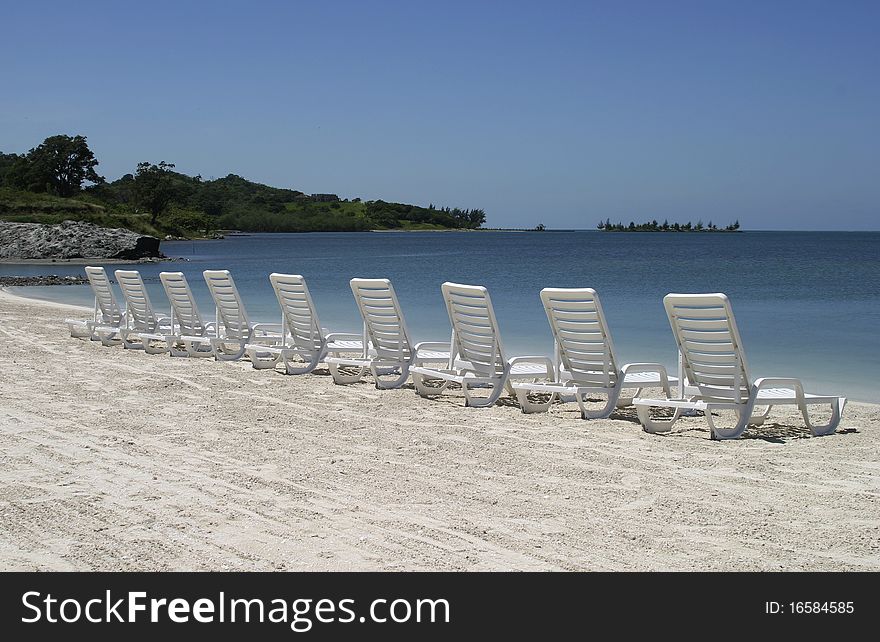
780 382
266 327
645 367
439 346
659 368
547 361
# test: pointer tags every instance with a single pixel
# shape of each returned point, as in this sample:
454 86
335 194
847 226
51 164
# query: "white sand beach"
118 460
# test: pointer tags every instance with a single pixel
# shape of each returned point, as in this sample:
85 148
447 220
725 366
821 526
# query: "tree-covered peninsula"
58 180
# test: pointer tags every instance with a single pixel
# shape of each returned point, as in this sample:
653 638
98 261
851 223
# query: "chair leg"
529 407
427 391
831 426
482 402
78 330
341 378
220 353
758 419
150 347
656 425
193 349
742 421
132 345
395 383
299 369
607 409
262 360
177 348
108 339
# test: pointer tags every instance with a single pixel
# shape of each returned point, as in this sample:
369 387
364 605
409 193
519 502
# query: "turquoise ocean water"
807 303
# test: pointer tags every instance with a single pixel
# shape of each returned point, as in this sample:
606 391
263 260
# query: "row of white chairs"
713 372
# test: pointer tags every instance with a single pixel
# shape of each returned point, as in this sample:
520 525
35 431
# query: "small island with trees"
666 226
58 181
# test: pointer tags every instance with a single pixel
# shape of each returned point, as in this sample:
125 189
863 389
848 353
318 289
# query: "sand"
118 460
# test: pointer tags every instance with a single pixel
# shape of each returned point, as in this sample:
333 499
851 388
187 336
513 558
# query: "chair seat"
433 355
193 338
346 346
152 336
527 369
788 396
646 379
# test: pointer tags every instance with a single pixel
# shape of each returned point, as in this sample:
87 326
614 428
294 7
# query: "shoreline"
87 261
119 460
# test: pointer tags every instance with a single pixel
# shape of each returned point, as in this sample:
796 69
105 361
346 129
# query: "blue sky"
564 113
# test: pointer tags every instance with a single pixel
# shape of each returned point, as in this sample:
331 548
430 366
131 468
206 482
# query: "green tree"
8 163
154 188
476 218
59 165
184 222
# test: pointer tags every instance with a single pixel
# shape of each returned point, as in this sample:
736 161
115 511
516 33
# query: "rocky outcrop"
48 279
73 240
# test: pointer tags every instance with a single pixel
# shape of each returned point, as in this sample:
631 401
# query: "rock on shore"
73 240
46 279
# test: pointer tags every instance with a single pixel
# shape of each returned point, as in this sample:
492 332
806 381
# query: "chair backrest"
709 343
183 304
137 302
230 309
298 311
477 339
105 299
383 318
583 342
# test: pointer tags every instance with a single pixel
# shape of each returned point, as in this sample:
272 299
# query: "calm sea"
807 303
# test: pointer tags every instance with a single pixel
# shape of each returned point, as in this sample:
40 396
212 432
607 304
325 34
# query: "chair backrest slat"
183 304
111 312
231 310
383 319
138 306
475 328
709 343
583 343
298 310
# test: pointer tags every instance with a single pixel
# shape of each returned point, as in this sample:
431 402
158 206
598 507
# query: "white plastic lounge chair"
480 360
389 348
108 315
234 330
585 355
190 336
304 343
149 330
714 363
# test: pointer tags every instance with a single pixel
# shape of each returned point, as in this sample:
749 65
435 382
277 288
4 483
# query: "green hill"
27 207
159 201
